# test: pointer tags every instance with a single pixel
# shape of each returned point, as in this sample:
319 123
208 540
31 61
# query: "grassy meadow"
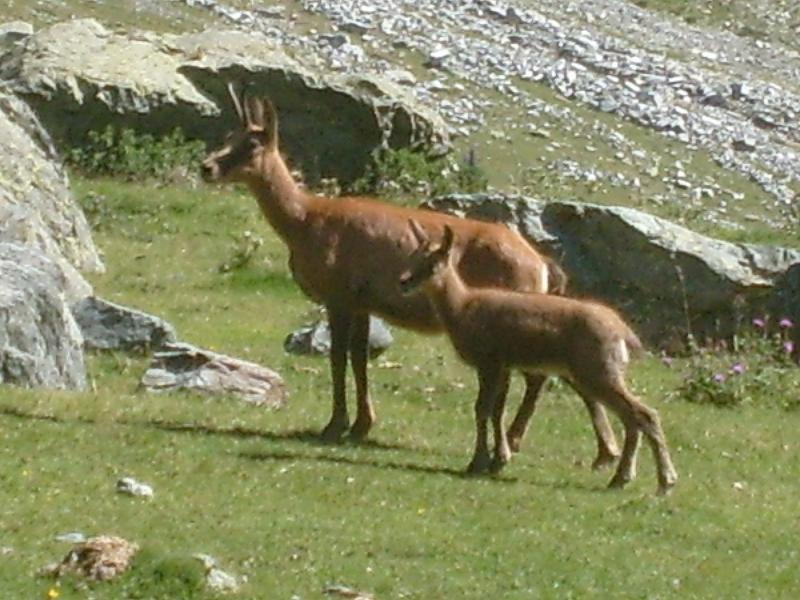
393 516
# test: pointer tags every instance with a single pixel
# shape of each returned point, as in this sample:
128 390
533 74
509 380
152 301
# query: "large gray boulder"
669 280
40 343
80 76
36 206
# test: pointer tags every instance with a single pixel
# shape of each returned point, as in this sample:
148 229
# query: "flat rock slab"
109 326
182 366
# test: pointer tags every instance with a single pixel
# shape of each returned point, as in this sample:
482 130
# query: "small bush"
744 373
125 153
403 174
243 250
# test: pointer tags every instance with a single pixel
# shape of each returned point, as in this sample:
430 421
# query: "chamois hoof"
618 482
497 465
333 432
360 430
479 465
514 441
604 460
665 484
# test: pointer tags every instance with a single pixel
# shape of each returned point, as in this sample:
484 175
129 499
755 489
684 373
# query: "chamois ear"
253 112
418 231
270 121
237 103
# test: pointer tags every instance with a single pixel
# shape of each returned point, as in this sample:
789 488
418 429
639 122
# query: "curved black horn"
237 104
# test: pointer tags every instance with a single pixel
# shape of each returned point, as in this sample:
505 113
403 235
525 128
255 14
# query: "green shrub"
125 153
758 360
408 175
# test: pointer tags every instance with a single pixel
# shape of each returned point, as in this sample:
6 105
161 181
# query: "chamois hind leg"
607 449
519 426
502 452
359 348
489 382
340 322
626 469
639 419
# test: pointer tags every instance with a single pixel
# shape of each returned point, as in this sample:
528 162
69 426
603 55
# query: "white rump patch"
544 280
621 353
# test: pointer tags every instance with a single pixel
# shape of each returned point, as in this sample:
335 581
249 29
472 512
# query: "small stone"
128 485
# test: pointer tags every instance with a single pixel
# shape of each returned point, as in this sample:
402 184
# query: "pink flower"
788 347
785 323
719 377
759 322
738 368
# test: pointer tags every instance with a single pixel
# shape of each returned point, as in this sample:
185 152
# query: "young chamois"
348 253
496 330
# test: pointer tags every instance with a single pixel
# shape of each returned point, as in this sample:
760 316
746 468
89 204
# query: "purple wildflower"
719 377
759 323
666 360
738 368
788 346
785 323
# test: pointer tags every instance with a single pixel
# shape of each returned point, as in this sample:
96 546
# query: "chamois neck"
448 294
282 201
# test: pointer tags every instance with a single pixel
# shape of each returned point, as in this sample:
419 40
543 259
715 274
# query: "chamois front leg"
502 452
489 382
519 426
359 349
340 323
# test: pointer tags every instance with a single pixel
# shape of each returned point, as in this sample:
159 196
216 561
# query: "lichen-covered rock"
182 366
80 76
40 343
666 278
36 206
109 326
99 558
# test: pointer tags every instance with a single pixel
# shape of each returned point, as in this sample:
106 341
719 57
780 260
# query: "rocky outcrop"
315 339
182 366
109 326
80 76
40 343
36 206
668 279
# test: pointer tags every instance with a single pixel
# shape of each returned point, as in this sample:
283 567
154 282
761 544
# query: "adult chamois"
498 330
347 254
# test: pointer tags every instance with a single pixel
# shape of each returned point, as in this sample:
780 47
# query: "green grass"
393 516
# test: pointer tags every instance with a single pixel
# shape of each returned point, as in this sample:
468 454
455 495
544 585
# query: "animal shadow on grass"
305 436
370 462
